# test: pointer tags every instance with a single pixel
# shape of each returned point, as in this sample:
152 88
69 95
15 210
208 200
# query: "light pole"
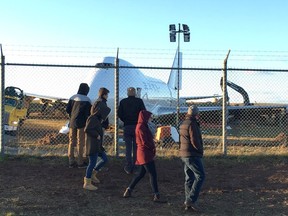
186 34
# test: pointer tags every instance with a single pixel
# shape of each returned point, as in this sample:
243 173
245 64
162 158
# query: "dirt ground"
234 186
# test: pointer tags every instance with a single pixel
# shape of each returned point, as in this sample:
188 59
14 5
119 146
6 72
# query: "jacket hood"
83 89
144 116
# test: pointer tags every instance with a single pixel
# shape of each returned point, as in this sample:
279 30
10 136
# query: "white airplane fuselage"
154 92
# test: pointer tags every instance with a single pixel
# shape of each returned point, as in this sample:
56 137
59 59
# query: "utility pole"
186 34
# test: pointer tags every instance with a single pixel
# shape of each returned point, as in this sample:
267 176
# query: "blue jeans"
130 143
194 177
103 160
151 169
94 165
91 165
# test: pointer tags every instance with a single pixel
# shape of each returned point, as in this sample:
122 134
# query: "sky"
254 30
214 25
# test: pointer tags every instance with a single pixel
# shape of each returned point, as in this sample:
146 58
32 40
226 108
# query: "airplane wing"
45 97
166 110
46 104
258 107
265 113
200 97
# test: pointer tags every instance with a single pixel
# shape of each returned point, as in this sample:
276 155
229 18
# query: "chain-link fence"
256 119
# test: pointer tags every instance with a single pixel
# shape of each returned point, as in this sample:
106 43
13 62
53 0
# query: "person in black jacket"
102 159
128 112
78 109
191 153
102 97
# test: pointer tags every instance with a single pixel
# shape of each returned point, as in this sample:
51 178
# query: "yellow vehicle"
15 112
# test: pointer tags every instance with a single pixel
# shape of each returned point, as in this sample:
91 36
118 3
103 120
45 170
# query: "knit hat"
131 91
193 110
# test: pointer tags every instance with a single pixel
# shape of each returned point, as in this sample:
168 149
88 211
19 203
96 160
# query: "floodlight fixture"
172 37
172 27
185 31
186 37
185 28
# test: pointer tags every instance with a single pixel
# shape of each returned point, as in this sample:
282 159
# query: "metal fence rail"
248 126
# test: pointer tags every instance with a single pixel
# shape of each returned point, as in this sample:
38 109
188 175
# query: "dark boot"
72 164
158 199
192 206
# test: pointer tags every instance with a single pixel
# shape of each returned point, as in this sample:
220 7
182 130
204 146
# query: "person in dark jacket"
128 112
78 109
146 152
102 97
94 139
191 153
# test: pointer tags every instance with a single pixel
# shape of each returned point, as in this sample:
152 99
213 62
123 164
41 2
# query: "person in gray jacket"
191 153
78 109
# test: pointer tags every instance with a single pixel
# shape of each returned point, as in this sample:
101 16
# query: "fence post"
286 126
224 106
116 102
2 99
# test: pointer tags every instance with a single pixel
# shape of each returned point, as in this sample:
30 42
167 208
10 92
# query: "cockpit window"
104 65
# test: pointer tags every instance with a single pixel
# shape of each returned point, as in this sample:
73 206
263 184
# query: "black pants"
130 143
151 169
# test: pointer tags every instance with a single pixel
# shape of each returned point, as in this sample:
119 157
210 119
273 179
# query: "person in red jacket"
145 154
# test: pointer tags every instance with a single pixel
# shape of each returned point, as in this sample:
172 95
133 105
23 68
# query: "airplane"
159 97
